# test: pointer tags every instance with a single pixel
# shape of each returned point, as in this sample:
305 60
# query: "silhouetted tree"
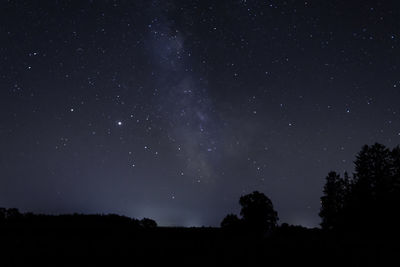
332 202
148 223
231 221
395 190
373 171
258 212
370 194
370 201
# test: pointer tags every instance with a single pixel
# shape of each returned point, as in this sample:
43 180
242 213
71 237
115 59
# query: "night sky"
174 109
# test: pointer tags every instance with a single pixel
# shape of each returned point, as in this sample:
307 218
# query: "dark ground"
29 245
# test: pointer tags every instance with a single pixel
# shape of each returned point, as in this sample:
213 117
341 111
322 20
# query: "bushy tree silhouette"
148 223
258 212
231 221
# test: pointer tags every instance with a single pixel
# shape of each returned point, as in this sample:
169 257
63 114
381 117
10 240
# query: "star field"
173 109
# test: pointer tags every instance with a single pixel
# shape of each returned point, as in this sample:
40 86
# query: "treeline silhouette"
368 201
12 217
360 227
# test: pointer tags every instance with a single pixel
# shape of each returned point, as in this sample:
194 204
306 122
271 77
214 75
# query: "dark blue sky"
174 109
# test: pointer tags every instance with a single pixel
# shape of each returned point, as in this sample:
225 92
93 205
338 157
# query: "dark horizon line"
134 218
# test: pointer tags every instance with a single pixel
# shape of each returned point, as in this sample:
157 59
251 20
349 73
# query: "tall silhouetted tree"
258 212
370 201
395 190
369 197
373 170
332 202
